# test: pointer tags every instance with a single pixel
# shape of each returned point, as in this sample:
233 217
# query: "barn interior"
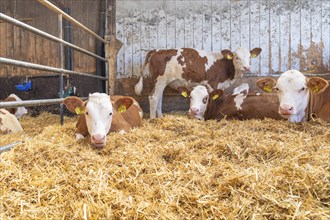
169 168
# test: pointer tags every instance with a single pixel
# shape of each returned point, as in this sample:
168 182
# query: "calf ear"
266 84
255 52
183 91
215 94
227 54
74 104
122 104
317 84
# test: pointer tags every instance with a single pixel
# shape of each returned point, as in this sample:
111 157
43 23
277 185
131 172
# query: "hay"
171 168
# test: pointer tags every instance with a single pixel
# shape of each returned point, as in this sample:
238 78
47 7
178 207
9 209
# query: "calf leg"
155 99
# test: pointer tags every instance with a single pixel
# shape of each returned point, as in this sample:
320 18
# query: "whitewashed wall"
294 34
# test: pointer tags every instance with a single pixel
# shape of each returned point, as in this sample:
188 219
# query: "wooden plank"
120 35
254 33
264 37
197 24
225 25
170 24
136 46
305 18
284 44
235 19
161 28
153 8
128 43
180 24
325 34
274 37
188 25
294 38
216 26
207 25
314 55
245 22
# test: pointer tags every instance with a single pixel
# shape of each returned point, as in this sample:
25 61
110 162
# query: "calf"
18 112
240 105
300 98
9 123
100 115
188 67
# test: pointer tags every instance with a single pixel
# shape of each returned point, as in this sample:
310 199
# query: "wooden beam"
113 44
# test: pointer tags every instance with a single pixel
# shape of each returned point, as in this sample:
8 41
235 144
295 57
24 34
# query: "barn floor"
171 168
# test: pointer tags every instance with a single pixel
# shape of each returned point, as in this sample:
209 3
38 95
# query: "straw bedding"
171 168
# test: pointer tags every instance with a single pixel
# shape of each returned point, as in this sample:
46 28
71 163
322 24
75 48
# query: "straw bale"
170 168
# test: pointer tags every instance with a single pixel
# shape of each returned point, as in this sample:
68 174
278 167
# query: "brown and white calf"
240 105
300 97
101 114
9 123
188 67
19 111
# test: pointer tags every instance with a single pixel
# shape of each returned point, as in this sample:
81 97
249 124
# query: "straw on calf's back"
101 114
300 97
189 67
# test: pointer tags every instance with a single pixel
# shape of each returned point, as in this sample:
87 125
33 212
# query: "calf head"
18 112
242 56
97 112
293 90
199 98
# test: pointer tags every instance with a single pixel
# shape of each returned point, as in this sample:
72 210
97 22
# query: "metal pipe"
68 17
27 103
9 146
60 34
47 68
46 35
68 38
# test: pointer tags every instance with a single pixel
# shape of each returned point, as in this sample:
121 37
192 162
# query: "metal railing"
59 70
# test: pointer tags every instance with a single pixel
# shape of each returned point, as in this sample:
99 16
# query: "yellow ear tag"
184 94
268 88
229 57
122 109
215 97
253 55
315 88
79 110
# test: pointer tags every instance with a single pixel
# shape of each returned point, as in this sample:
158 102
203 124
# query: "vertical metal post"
60 33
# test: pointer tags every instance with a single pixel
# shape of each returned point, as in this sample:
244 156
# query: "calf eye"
86 113
276 89
302 89
110 114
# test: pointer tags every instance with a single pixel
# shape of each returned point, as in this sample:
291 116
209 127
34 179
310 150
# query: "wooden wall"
17 43
294 34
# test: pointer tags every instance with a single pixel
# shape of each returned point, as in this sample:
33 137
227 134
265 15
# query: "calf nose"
98 140
286 109
247 68
194 110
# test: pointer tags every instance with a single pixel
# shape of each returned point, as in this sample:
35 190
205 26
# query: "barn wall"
293 34
16 43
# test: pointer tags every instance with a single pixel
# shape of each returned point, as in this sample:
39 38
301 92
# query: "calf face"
97 112
293 90
242 56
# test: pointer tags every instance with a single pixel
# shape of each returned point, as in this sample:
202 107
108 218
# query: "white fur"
9 122
98 118
196 101
290 93
241 88
21 111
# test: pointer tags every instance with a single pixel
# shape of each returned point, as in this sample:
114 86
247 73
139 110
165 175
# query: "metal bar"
60 35
47 68
9 146
68 17
48 36
27 103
